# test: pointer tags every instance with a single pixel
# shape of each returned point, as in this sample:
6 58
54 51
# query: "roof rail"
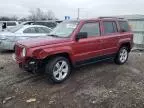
110 17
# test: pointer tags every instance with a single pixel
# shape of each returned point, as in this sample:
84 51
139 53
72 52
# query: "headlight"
23 54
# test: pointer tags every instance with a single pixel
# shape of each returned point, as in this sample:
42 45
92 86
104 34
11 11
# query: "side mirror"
122 30
81 35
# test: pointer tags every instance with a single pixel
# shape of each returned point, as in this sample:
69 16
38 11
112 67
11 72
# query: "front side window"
110 27
92 29
124 26
30 30
64 29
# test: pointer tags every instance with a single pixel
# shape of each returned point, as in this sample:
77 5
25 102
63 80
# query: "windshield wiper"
53 35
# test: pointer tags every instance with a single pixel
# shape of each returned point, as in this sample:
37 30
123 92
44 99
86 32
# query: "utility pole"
78 13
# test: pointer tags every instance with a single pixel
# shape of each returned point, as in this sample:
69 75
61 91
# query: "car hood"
42 41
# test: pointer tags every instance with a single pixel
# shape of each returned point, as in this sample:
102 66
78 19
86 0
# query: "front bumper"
29 64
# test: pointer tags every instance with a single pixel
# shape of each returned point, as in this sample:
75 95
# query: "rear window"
110 27
124 26
11 24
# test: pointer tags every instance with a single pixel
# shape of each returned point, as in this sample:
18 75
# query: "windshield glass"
64 29
14 29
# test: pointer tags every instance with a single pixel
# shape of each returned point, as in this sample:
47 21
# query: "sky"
61 8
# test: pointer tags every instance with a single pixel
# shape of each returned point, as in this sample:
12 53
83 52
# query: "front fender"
44 53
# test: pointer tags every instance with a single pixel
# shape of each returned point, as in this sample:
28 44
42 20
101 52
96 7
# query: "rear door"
88 48
110 36
30 32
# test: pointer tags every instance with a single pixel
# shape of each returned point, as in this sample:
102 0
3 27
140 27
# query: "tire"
122 55
57 72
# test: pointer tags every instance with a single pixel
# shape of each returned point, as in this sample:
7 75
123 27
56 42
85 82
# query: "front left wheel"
58 69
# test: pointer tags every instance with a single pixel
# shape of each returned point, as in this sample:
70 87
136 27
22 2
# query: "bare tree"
4 18
14 18
50 15
38 14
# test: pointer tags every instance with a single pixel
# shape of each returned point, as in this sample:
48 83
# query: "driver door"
87 49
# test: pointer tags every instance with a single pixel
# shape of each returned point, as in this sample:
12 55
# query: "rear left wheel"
122 55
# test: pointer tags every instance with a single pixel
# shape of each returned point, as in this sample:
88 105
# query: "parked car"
76 43
9 37
8 24
50 24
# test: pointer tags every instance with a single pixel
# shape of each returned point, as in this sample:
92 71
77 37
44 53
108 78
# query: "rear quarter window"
124 26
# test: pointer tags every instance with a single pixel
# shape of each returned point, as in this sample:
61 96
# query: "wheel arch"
62 54
127 44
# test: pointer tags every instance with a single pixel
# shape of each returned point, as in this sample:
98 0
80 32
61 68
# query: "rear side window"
92 29
11 24
30 30
124 26
110 27
42 30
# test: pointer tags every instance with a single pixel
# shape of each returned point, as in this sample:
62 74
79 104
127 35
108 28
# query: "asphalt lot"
101 85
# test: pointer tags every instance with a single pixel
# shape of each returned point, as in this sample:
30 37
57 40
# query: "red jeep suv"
75 43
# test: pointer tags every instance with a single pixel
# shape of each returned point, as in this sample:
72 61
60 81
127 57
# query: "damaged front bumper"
32 65
29 64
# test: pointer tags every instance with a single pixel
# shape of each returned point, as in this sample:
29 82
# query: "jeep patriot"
75 43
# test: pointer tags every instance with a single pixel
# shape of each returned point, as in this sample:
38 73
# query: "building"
137 24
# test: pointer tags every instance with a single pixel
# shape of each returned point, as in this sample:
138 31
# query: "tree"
38 14
3 18
50 15
14 18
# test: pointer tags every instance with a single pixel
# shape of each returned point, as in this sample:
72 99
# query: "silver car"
11 36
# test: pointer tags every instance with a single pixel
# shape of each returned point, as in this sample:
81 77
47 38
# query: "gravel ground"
101 85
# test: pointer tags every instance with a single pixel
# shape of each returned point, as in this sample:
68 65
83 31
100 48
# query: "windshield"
14 29
64 29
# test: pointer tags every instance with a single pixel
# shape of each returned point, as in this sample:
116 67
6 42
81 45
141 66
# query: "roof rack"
111 17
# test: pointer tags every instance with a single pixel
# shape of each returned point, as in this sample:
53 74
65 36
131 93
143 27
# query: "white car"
9 37
7 24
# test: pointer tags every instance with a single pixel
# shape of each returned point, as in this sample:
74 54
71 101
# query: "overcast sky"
61 8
